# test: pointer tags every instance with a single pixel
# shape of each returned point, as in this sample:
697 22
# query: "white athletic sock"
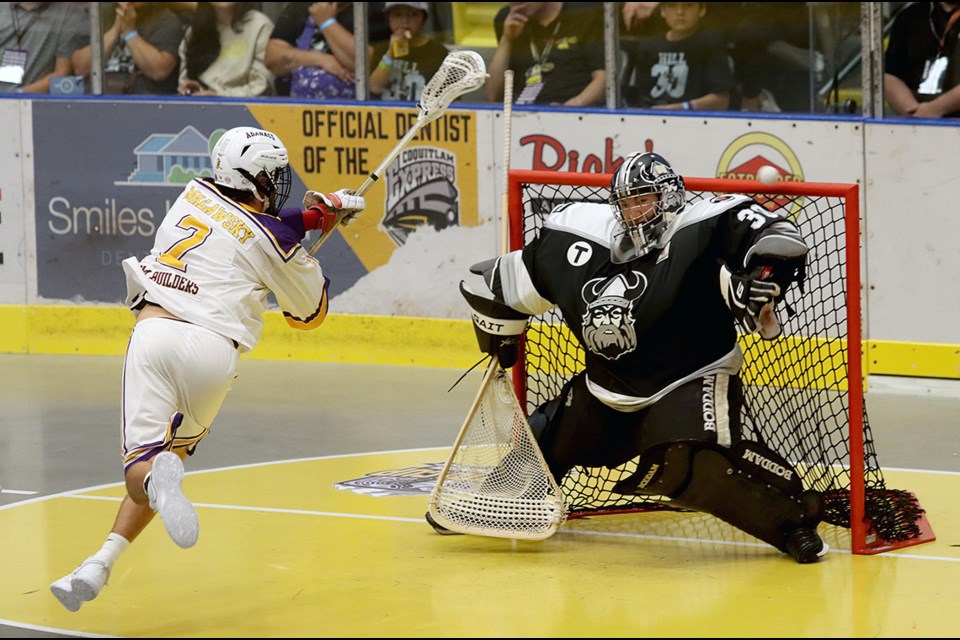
110 551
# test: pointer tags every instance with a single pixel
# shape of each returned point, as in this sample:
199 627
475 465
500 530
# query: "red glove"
329 210
319 217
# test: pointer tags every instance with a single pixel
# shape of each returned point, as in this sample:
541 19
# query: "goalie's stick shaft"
504 246
487 377
507 132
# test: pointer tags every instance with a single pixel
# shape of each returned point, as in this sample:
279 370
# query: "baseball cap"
422 6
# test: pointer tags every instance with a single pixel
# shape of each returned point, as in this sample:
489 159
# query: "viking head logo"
608 321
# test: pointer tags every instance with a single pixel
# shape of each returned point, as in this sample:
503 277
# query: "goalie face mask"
643 219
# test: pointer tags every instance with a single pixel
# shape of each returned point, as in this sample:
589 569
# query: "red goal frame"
850 194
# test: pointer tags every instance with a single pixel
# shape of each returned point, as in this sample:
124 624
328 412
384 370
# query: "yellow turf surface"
284 553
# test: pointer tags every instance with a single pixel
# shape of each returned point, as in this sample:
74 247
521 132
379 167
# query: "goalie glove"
498 327
326 211
752 301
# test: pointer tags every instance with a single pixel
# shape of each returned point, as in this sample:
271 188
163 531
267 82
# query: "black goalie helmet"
641 174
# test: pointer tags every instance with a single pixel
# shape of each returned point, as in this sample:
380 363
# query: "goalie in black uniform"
652 289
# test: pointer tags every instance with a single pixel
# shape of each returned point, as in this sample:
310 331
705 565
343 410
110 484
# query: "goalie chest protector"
652 320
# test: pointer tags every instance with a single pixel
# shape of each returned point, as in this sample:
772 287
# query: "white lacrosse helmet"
253 160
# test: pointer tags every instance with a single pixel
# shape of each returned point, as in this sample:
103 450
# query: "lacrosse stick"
461 72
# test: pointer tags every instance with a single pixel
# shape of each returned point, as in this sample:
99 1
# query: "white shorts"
175 378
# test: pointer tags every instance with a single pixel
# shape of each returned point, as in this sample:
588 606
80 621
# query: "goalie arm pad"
775 260
778 254
498 327
490 271
509 279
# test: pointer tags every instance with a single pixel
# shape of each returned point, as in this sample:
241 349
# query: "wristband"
130 36
327 23
686 105
387 60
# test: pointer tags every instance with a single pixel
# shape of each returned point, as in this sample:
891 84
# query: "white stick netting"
496 482
461 72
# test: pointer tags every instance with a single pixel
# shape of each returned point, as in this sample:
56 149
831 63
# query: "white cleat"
167 499
63 592
82 585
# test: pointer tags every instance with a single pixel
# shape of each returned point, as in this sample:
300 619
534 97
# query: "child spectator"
223 51
141 49
409 59
37 40
688 67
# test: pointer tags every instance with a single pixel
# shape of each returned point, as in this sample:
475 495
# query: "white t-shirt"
214 262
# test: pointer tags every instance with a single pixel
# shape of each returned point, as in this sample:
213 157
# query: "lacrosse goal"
804 390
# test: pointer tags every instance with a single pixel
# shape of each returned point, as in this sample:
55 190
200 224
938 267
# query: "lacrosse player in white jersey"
199 299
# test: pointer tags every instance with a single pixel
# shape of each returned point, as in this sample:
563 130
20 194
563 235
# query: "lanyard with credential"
14 10
950 22
935 69
540 60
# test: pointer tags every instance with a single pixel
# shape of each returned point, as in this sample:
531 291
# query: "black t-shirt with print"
410 74
914 44
659 71
157 25
575 53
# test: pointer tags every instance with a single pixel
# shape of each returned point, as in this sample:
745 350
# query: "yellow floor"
284 553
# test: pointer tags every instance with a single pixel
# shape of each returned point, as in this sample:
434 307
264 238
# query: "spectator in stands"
140 47
555 50
312 51
922 62
37 40
644 19
688 67
223 51
409 59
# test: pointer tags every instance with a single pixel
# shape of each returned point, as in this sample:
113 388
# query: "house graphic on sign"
172 159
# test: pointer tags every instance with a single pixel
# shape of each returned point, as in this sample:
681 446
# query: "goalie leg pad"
766 464
540 419
719 486
663 470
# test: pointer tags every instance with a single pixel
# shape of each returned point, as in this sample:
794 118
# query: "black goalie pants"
583 431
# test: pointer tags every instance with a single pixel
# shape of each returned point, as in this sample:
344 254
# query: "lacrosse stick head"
461 72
